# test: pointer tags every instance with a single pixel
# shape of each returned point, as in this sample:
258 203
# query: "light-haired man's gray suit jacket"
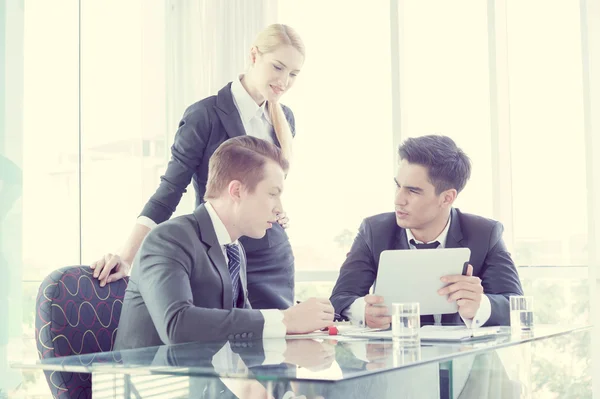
180 289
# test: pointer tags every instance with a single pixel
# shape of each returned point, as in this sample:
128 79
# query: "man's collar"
220 230
441 238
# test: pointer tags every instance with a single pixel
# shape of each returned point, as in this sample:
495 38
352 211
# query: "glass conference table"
553 361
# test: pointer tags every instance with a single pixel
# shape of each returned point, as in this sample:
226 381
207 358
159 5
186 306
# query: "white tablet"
414 276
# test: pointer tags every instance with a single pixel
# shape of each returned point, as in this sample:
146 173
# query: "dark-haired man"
431 173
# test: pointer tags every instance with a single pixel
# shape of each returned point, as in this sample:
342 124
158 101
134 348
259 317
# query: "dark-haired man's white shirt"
356 312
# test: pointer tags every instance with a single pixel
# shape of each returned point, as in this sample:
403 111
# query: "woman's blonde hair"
268 40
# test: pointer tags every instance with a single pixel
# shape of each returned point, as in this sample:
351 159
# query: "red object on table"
332 330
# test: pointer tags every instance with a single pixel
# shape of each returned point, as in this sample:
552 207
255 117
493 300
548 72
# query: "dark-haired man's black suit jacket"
489 257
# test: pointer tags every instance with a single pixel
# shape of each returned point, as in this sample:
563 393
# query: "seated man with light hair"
188 281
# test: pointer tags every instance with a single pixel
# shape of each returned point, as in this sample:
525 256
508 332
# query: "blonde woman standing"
250 105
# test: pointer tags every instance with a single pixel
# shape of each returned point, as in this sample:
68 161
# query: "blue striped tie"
235 261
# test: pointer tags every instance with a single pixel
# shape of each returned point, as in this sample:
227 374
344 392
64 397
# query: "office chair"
76 316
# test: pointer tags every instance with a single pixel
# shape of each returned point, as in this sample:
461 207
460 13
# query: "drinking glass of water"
406 322
521 314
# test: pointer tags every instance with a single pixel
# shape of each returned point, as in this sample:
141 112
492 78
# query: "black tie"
431 245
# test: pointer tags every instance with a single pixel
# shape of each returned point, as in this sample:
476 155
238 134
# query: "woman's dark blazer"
204 126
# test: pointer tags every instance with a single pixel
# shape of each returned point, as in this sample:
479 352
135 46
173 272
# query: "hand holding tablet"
466 290
418 276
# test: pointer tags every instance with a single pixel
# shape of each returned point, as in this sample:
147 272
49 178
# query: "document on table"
345 333
437 333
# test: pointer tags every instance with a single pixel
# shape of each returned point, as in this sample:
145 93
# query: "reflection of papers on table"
457 333
436 333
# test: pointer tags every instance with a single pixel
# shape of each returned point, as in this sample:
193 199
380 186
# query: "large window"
444 85
39 182
124 136
343 165
547 130
50 138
